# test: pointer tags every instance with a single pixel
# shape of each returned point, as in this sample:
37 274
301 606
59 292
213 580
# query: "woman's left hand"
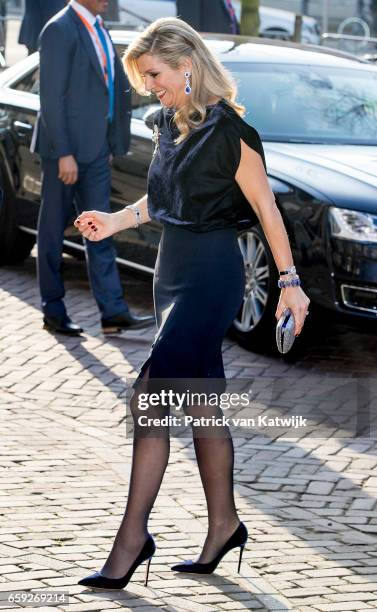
297 301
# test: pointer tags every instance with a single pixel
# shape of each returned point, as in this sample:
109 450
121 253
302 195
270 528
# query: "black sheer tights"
215 456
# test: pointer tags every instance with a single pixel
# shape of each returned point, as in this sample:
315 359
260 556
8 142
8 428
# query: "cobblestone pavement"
309 504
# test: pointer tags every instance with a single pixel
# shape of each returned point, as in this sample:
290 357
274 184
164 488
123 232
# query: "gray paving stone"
320 488
344 606
310 505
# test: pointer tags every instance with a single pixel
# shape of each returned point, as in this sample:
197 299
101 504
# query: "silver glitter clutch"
285 331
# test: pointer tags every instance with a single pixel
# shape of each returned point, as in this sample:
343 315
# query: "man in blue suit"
209 15
84 121
37 13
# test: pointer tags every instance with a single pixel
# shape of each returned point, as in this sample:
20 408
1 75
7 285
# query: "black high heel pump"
98 581
238 538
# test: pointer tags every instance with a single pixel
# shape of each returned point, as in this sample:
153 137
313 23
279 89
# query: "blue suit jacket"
206 15
74 95
37 13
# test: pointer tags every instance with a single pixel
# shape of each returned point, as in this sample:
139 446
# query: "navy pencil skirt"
198 287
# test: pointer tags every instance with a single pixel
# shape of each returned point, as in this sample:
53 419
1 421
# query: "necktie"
232 15
109 73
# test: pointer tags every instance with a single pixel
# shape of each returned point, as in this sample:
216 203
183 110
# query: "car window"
140 104
28 83
308 103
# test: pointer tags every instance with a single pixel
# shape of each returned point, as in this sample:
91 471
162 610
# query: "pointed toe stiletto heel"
98 581
240 558
238 538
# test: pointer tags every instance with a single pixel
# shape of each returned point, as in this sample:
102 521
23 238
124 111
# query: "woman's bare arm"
252 179
95 225
125 218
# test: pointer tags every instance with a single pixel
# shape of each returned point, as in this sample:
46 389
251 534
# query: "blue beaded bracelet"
294 282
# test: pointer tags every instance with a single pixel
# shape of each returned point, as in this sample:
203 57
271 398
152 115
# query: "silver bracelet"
291 270
135 209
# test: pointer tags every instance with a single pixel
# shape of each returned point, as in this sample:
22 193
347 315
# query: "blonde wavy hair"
173 40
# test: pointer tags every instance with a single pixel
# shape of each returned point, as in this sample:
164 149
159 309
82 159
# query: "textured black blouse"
192 184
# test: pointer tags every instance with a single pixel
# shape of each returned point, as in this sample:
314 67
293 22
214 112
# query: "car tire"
254 326
15 245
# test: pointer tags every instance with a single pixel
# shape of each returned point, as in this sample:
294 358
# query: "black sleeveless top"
192 184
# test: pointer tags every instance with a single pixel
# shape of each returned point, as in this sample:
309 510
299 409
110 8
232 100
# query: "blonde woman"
207 178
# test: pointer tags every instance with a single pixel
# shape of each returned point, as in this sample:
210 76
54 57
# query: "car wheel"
15 245
254 326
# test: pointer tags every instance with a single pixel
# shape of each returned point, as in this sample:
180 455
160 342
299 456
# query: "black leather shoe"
61 326
98 581
125 320
238 538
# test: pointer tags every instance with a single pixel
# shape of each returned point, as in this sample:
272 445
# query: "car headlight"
353 225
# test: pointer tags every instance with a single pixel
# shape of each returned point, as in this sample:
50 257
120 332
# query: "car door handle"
21 127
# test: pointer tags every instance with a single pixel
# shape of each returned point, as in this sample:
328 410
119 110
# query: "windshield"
298 103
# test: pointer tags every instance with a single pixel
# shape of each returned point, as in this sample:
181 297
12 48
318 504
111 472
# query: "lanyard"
92 30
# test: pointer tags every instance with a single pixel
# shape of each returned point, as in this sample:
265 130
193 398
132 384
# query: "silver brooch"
156 138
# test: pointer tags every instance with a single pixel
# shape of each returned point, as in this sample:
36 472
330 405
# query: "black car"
3 28
316 111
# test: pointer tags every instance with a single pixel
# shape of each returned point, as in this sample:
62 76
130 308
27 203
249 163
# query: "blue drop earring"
187 84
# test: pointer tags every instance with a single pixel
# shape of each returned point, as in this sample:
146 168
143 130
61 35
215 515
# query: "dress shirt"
91 19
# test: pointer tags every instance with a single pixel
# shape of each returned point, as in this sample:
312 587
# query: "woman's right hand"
95 225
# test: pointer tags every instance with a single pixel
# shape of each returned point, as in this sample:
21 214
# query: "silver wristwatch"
135 209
